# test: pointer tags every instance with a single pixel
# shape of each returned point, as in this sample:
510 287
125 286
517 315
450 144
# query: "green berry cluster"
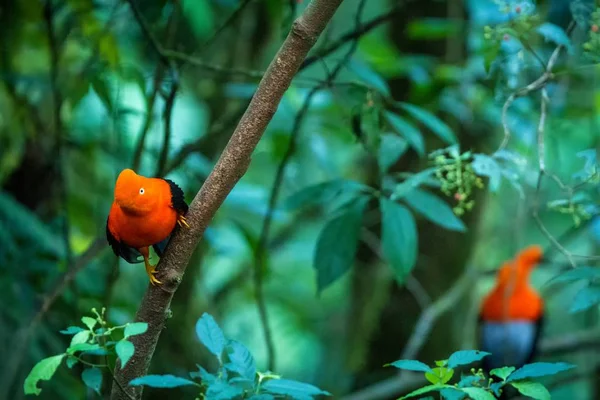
521 26
457 177
578 212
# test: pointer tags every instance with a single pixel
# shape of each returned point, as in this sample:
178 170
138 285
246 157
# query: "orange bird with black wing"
511 316
144 213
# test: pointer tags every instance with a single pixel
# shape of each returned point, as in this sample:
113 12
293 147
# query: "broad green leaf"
411 365
243 383
465 357
124 349
478 393
434 209
412 182
261 397
89 322
368 76
109 49
71 330
555 34
42 371
425 389
407 130
469 380
532 389
135 328
211 335
85 347
291 388
587 297
80 337
322 193
535 370
203 375
101 87
92 377
71 361
161 381
220 390
241 360
452 394
575 274
503 372
399 237
439 375
337 244
431 121
392 147
490 54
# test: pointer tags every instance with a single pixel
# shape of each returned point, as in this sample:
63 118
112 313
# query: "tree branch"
230 167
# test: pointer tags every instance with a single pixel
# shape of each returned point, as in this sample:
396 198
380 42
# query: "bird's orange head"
136 194
529 257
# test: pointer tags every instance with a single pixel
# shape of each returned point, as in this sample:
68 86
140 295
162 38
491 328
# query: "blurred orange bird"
144 213
511 316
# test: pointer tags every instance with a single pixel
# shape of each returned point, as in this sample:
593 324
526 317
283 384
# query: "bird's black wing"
160 247
177 198
120 249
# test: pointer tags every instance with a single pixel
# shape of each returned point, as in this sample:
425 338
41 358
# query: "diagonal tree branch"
230 167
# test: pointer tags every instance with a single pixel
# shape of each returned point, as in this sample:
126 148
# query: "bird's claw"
151 271
182 221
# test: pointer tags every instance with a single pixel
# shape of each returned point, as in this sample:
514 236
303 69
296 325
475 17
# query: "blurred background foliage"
92 87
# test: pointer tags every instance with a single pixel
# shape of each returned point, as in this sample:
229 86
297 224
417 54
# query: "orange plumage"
144 213
513 298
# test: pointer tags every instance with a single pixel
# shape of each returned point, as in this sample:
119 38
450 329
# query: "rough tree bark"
230 167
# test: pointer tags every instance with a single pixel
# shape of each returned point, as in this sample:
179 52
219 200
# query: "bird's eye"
142 190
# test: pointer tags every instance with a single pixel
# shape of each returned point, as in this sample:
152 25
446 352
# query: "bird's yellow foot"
182 221
151 270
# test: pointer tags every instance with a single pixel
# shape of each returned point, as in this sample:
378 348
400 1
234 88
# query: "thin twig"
170 102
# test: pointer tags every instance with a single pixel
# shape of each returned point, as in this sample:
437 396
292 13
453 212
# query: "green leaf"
101 87
124 349
71 361
322 193
392 147
465 357
241 360
211 335
337 244
587 297
554 33
575 274
532 389
407 131
42 371
425 389
412 183
503 372
161 381
484 165
92 377
490 53
80 337
439 375
451 394
411 365
89 322
432 28
261 397
220 390
295 389
434 209
478 393
399 237
135 328
431 121
203 375
366 74
71 330
535 370
83 347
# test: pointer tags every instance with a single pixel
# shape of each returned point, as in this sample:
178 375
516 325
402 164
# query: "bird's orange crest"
136 194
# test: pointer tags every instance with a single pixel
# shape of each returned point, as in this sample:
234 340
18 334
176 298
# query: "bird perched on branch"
511 316
144 213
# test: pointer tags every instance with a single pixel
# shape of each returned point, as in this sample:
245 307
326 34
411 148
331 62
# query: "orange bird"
511 316
144 213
